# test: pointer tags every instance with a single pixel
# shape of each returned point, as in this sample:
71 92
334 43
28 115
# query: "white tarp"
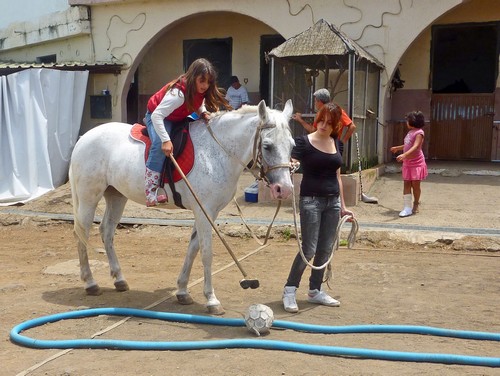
40 115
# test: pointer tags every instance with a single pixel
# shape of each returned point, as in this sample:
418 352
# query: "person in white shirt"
236 94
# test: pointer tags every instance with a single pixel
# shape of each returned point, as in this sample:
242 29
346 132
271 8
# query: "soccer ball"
259 318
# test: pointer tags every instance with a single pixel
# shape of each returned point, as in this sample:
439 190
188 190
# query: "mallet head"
249 283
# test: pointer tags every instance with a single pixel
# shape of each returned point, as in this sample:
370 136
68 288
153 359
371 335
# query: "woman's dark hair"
214 99
416 119
334 112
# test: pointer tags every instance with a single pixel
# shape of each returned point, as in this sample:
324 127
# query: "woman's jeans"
319 218
156 156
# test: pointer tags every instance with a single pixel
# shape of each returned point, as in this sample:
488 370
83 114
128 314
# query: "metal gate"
461 126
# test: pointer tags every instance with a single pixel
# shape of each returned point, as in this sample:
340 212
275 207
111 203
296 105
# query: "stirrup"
161 195
154 199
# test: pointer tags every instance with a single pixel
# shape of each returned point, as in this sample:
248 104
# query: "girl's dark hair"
214 99
335 113
416 119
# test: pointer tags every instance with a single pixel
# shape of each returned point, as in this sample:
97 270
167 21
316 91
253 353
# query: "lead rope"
351 239
257 156
249 229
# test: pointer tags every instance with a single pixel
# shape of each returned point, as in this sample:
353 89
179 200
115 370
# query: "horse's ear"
288 109
263 111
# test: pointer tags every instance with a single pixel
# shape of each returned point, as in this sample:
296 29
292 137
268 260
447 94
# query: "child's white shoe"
406 212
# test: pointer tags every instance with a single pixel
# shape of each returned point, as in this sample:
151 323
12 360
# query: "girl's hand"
295 165
205 116
400 157
167 147
394 149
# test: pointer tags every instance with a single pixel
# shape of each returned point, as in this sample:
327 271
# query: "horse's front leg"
204 230
203 234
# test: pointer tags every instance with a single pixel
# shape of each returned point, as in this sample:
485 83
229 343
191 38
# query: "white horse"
107 163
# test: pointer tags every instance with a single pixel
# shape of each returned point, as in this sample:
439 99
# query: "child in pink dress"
414 167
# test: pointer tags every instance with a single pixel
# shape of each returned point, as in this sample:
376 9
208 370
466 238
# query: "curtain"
40 116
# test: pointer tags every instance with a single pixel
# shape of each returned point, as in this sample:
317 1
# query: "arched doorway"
234 43
464 68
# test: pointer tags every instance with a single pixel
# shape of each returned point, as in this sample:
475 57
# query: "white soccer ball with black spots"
259 318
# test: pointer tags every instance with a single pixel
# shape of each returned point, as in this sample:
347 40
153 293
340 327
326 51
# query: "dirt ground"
408 272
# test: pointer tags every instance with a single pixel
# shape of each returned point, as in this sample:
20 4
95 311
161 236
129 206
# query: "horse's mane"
245 109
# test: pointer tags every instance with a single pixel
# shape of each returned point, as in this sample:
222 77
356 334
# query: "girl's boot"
407 210
151 182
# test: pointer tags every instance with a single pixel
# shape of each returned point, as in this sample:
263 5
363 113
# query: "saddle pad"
185 160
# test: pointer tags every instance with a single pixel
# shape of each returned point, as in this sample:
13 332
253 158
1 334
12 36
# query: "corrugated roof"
99 67
322 46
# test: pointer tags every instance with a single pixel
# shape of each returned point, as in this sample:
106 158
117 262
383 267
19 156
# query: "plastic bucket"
252 193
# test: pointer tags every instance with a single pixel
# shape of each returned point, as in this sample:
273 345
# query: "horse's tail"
78 230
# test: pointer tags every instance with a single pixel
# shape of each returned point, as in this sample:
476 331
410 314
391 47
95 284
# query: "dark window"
465 58
46 59
217 51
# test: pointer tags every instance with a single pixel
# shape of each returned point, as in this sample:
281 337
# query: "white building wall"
125 30
28 10
394 31
129 37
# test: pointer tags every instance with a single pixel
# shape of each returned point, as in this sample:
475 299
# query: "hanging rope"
351 239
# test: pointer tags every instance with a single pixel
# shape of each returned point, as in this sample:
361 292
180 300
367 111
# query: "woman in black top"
321 204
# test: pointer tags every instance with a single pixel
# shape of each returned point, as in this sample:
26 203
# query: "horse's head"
274 142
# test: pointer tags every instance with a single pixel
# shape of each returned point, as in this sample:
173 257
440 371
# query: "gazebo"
323 54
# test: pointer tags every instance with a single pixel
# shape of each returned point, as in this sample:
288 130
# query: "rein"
240 212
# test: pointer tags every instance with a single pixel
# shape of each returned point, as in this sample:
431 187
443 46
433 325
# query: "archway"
165 57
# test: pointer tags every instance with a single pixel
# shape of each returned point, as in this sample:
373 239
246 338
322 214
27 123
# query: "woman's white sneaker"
289 301
321 297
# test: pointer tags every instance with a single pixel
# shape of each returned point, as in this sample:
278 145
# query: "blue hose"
16 337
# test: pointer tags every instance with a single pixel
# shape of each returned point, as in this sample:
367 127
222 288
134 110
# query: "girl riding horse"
196 90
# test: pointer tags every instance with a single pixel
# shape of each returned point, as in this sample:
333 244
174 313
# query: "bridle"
258 158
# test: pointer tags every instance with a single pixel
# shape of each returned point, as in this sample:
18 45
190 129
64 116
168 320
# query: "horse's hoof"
93 290
216 310
184 299
121 286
